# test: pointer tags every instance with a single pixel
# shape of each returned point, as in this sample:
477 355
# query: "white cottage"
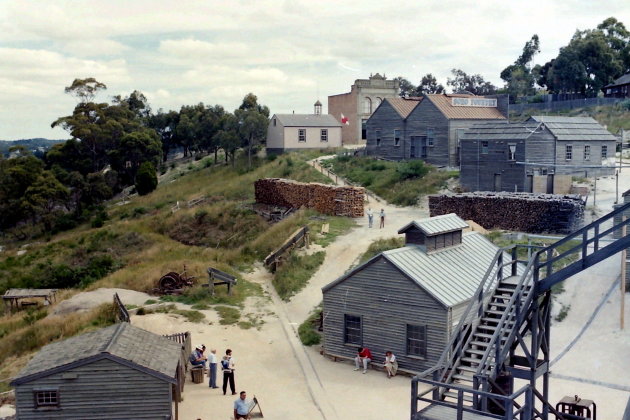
288 132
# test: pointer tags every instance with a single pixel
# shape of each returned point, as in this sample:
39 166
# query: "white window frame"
46 398
367 105
397 137
568 152
323 135
512 151
302 135
604 151
431 136
587 152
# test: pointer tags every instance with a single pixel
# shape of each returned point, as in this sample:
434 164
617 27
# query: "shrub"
138 211
306 331
412 170
146 178
292 276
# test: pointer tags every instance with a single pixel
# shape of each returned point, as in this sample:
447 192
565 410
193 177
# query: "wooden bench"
372 364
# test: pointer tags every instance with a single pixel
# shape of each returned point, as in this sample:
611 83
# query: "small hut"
118 372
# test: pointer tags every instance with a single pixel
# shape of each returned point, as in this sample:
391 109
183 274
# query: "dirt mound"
85 301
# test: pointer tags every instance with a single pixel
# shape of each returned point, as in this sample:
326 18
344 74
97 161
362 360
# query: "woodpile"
522 212
326 199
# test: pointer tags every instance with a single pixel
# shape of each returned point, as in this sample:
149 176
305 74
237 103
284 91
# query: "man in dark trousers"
227 365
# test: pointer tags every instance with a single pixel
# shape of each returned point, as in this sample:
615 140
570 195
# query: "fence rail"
185 340
298 235
121 311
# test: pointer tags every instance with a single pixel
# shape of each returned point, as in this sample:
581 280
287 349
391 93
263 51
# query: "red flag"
344 120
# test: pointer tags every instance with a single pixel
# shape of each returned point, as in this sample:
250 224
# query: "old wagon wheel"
169 281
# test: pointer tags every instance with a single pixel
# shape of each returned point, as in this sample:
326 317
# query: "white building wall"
313 139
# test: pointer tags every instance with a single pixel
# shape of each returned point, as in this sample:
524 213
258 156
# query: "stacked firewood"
522 212
327 199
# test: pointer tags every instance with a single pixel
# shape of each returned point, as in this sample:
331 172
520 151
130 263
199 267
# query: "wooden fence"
274 259
186 341
121 312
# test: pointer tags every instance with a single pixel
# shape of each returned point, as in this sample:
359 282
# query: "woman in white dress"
391 365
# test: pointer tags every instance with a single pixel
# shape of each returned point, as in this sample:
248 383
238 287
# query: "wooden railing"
121 312
300 234
186 341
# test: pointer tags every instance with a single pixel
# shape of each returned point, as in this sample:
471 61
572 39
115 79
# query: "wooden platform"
440 412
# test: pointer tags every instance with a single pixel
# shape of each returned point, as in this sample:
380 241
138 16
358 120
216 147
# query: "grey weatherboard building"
118 372
502 156
408 300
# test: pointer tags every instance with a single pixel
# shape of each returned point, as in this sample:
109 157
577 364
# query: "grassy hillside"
143 239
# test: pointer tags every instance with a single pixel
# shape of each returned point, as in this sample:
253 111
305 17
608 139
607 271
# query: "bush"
306 331
146 179
412 170
293 275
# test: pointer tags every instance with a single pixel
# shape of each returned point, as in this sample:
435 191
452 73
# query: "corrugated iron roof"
450 275
500 130
403 106
138 346
437 224
444 103
574 128
623 80
307 120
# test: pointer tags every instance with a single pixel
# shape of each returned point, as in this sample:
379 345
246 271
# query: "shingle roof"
444 103
623 80
141 348
307 120
451 275
574 128
403 106
437 224
500 130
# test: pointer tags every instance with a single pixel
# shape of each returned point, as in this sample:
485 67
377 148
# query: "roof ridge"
119 329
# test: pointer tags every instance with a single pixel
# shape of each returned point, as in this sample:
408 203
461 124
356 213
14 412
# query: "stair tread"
453 394
469 368
475 351
460 377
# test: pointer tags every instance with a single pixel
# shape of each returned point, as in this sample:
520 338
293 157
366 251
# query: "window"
274 122
568 152
363 129
396 137
352 329
430 136
417 340
587 152
302 135
47 398
378 137
323 136
367 106
484 147
604 152
511 152
378 102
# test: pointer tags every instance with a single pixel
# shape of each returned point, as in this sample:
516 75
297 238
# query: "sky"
289 53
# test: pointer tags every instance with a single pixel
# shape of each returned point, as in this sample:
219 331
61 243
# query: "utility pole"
623 278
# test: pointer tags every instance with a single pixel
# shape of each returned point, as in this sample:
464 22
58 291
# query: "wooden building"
620 88
118 372
408 300
288 132
431 130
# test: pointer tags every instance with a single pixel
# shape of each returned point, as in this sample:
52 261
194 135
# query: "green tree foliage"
165 124
406 87
429 84
45 198
473 83
253 119
134 149
519 78
85 89
592 59
146 179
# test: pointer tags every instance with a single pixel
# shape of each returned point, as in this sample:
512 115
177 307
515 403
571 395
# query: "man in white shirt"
213 368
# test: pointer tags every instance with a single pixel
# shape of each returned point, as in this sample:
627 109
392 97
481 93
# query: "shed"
13 298
620 88
408 300
290 132
118 372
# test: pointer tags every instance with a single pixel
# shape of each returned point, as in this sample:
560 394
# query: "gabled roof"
307 120
134 347
574 128
403 106
437 224
623 80
501 130
444 103
451 276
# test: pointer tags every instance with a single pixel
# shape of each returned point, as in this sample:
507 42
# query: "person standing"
227 364
391 365
370 215
241 407
364 356
382 218
213 369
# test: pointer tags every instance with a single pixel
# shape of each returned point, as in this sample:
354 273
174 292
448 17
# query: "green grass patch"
192 316
381 245
293 275
338 226
401 183
309 336
564 311
150 301
229 315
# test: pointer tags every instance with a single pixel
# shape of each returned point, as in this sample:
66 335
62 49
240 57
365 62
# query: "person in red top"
364 355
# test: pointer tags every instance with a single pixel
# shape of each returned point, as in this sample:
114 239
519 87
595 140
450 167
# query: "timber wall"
523 212
327 199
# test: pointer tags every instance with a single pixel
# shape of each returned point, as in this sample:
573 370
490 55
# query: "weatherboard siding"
427 115
386 119
387 301
103 389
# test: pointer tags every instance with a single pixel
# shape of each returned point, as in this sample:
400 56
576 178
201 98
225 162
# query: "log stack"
522 212
326 199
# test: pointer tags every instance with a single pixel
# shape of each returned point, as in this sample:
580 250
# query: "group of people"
364 357
370 215
198 358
